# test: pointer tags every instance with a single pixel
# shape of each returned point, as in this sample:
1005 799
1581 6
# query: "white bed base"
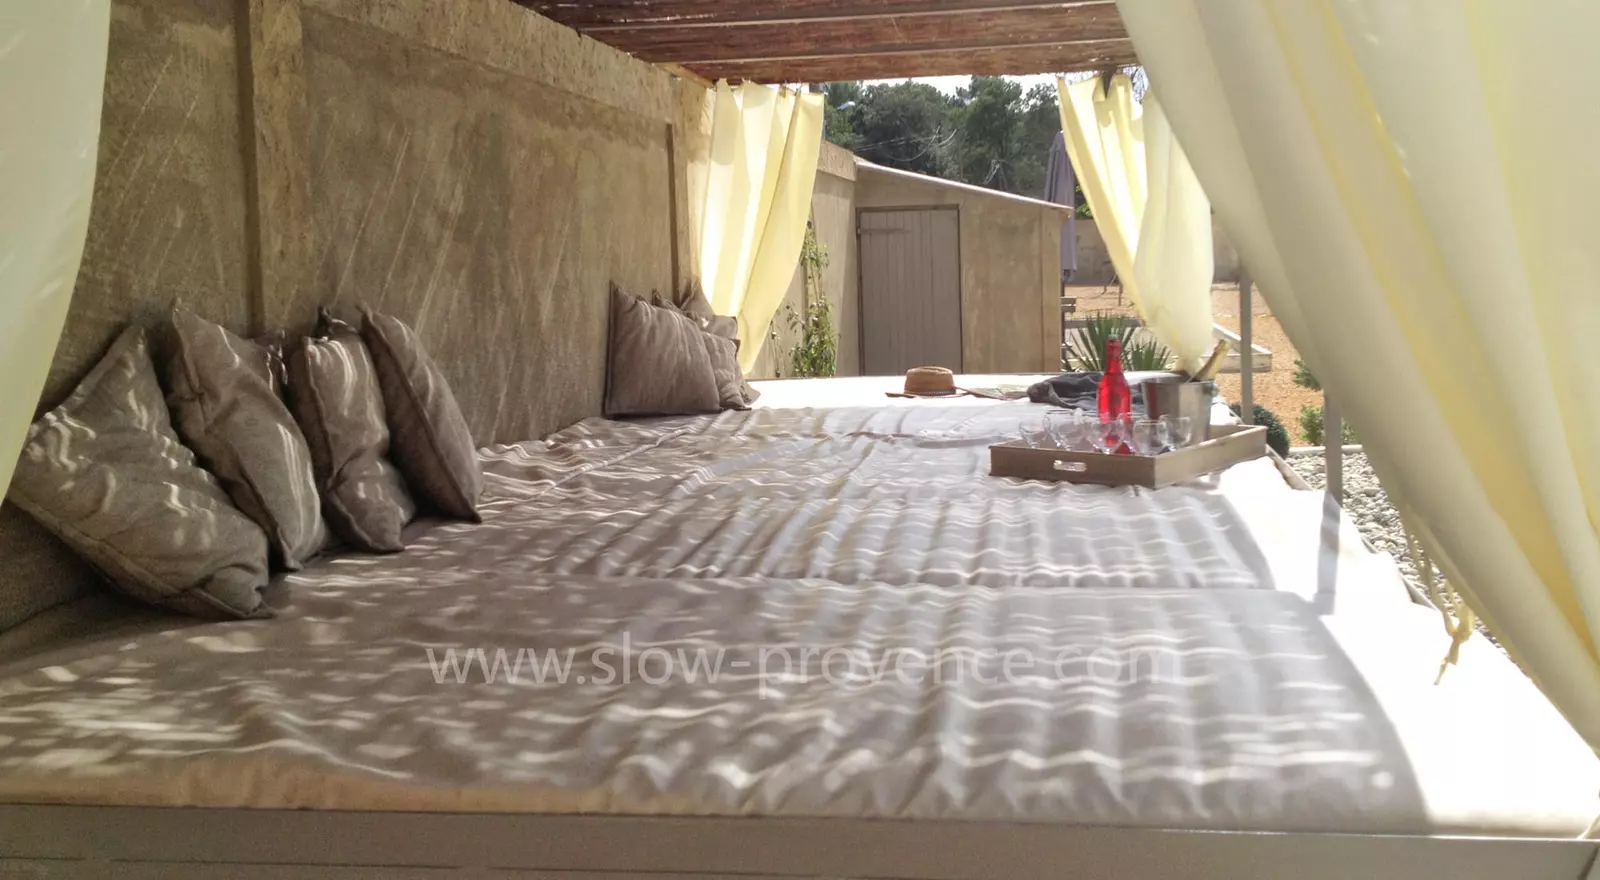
135 843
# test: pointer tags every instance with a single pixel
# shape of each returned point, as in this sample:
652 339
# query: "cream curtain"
1149 208
1414 186
52 70
763 165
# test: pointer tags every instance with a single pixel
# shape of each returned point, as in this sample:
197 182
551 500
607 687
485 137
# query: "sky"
949 84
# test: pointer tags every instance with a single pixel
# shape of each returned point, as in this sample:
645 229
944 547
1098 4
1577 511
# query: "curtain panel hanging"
765 143
52 72
1413 185
1149 207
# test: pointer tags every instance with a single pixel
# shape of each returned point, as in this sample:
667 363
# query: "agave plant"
1146 353
1086 347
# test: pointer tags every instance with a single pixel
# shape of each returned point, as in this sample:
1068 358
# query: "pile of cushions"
189 499
672 356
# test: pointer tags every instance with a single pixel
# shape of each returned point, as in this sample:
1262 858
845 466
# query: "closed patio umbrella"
1060 188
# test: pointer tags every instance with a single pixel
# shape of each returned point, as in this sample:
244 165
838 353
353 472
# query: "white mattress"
1182 658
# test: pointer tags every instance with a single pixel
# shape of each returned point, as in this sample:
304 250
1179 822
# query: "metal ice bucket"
1175 396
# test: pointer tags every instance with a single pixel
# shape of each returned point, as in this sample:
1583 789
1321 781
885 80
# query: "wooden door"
910 289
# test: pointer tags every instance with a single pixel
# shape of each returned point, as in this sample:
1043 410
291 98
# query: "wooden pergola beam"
599 16
892 35
828 40
1096 47
991 61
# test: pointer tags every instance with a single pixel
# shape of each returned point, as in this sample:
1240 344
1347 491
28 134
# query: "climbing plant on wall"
817 351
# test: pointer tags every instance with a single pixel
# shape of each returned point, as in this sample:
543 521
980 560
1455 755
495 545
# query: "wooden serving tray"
1229 445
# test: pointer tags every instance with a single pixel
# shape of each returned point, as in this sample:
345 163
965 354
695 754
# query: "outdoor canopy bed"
1200 659
1285 721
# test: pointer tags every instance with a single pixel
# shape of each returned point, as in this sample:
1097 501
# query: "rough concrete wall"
470 166
1005 286
834 213
169 221
476 169
1002 287
1050 226
1094 264
488 210
169 213
835 210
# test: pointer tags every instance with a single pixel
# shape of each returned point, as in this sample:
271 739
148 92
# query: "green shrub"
1303 376
1311 424
1312 427
817 353
1277 434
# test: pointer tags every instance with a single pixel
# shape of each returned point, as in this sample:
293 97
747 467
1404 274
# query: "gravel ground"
1367 506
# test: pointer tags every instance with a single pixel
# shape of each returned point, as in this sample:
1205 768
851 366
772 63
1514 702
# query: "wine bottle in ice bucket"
1116 403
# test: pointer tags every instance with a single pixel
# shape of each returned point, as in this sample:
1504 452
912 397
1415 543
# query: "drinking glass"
1034 434
1066 427
1150 437
1180 429
1108 437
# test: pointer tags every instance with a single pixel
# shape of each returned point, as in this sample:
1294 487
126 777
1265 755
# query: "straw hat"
930 382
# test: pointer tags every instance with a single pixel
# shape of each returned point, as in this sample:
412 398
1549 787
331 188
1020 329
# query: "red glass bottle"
1116 403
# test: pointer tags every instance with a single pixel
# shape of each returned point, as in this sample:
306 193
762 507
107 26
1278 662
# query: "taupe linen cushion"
105 472
333 390
692 302
224 402
428 437
725 366
727 328
657 363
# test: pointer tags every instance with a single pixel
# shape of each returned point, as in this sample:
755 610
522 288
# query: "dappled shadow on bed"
832 614
896 495
1203 709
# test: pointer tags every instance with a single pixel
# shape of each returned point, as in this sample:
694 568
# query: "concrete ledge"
1351 449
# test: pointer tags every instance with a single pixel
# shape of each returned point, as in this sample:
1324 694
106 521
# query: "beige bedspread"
896 635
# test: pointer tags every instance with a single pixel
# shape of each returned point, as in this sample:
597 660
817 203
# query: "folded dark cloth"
1077 391
1065 385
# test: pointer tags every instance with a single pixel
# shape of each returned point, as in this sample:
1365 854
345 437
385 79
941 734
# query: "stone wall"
1094 264
471 167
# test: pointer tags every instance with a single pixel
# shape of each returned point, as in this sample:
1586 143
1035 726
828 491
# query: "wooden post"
277 148
1247 397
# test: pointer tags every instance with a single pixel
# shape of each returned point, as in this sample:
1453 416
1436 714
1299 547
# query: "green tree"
906 125
1041 121
991 133
840 93
1004 135
841 111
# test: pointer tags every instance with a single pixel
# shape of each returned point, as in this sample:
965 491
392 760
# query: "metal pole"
1333 447
1247 397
